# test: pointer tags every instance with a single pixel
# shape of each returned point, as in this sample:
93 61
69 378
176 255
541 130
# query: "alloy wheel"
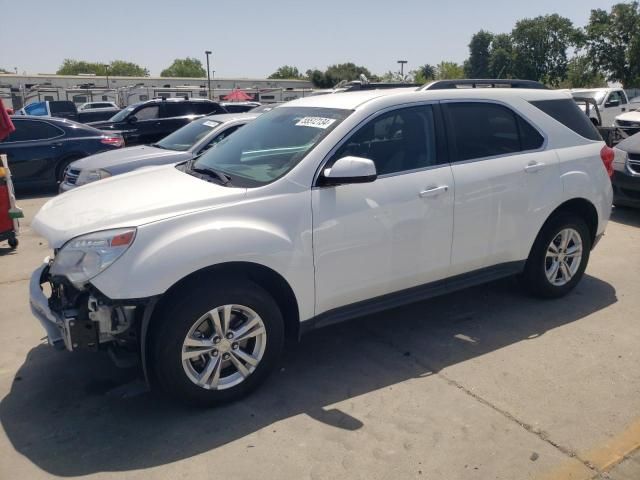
563 257
224 347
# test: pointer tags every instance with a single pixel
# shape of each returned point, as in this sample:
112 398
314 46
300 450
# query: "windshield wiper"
223 177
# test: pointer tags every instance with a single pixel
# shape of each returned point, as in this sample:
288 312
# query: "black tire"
63 166
534 277
185 308
13 242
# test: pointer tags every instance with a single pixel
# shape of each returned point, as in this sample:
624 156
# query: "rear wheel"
558 257
13 242
217 344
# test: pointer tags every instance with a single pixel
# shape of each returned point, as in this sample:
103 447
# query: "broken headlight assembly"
84 257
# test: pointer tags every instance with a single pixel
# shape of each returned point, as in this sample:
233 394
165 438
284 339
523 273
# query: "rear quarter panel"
584 176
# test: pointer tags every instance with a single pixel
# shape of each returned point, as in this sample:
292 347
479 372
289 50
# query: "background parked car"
41 148
67 109
183 144
629 122
147 122
266 107
98 106
626 174
611 103
97 111
53 108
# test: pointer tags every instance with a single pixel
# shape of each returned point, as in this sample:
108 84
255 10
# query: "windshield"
122 114
597 96
186 137
271 145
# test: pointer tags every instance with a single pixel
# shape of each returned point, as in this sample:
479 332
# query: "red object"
6 125
237 95
608 155
122 239
6 223
115 141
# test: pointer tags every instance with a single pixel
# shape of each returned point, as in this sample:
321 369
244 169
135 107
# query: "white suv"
324 209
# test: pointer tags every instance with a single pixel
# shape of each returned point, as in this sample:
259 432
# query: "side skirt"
412 295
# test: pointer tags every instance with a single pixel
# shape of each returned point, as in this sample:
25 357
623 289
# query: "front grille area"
627 123
71 177
634 165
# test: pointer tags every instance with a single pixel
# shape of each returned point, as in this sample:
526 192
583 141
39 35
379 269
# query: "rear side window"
206 108
30 130
177 109
62 107
479 130
567 112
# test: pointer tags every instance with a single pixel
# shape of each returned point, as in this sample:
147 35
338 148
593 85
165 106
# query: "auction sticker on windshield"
315 122
211 124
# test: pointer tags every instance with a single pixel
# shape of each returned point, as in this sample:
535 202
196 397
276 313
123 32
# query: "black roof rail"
483 83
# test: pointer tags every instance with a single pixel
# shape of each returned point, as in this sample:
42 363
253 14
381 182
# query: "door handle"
624 109
433 191
534 167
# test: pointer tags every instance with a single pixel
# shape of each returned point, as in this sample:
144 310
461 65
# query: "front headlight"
88 176
84 257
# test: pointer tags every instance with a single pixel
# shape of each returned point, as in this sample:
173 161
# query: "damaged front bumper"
83 319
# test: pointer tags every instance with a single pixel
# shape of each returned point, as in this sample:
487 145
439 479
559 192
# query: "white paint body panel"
338 245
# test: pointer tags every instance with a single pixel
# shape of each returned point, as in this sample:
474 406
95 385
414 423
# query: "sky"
251 39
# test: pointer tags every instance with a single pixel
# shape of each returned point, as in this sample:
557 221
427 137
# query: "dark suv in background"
148 122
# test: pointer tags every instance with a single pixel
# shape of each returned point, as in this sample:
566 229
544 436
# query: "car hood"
130 158
631 144
129 200
633 116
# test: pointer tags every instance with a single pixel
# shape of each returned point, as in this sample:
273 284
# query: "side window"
478 130
205 108
177 109
147 113
617 96
567 112
218 138
30 130
396 141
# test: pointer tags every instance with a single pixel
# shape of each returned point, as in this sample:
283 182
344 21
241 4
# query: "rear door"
505 183
176 115
33 150
392 234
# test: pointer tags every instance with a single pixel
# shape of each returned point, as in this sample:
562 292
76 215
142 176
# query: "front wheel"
216 344
558 257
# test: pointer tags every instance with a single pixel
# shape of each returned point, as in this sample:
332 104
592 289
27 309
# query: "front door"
394 233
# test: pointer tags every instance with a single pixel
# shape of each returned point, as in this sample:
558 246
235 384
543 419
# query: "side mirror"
349 170
132 119
612 103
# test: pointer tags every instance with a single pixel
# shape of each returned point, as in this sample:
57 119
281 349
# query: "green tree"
449 71
582 74
613 42
115 67
185 67
477 66
501 56
337 73
287 72
425 73
540 48
2 70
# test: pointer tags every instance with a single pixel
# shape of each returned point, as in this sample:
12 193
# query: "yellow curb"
602 458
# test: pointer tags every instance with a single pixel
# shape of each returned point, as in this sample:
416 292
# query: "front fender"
167 251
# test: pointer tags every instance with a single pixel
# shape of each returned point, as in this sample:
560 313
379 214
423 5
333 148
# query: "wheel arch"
581 207
67 159
274 283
